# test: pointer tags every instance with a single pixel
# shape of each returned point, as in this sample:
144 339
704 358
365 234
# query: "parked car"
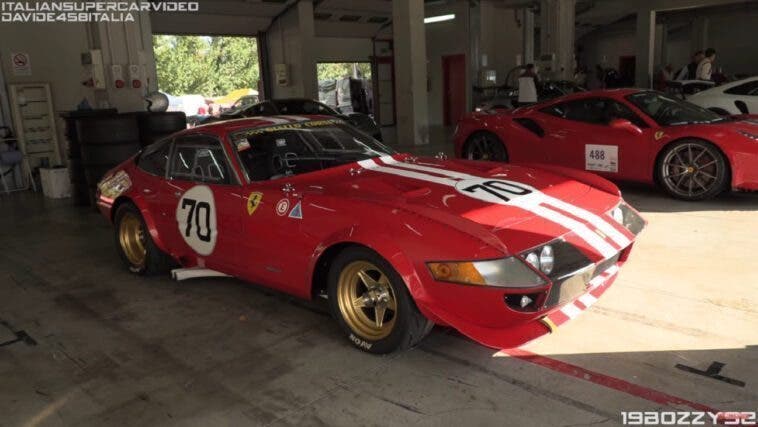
394 243
623 134
739 97
298 106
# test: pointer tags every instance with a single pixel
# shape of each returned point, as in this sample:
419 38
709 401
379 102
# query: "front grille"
606 265
573 286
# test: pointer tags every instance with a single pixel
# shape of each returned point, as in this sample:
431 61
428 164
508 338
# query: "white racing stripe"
598 243
571 310
439 171
297 118
276 120
601 224
587 300
532 203
371 165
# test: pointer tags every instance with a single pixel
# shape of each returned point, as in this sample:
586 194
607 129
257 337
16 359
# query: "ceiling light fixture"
440 18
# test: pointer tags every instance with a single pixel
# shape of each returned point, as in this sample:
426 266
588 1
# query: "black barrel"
105 142
155 126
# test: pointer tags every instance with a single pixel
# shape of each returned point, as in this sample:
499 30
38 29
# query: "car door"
204 203
579 134
276 250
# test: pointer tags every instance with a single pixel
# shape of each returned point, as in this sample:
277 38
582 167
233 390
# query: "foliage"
338 70
210 66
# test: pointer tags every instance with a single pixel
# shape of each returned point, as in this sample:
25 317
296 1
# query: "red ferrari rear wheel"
485 146
371 303
693 170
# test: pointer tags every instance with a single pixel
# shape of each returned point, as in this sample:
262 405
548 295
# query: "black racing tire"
692 170
408 325
161 123
108 154
154 261
485 145
151 138
114 129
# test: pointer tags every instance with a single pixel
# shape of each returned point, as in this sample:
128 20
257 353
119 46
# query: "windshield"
668 111
290 149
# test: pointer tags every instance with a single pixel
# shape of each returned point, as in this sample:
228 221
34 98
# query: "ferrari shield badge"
253 201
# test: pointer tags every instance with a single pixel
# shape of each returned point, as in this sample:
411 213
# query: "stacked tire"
104 142
156 126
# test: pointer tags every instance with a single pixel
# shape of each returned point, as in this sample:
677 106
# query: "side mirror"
625 125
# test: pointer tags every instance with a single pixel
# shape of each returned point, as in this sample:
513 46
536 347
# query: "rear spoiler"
588 178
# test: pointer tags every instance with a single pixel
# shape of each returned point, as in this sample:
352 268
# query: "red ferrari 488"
625 135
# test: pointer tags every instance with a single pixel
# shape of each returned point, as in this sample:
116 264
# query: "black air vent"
321 16
531 126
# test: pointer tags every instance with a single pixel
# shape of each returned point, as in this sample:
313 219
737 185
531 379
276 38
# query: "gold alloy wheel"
366 300
131 236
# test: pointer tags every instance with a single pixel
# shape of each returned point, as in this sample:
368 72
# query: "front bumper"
498 326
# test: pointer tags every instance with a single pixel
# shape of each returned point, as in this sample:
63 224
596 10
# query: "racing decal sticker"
253 201
282 207
493 190
297 211
196 218
602 158
658 135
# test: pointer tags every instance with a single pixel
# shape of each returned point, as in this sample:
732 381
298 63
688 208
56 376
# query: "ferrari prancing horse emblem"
253 201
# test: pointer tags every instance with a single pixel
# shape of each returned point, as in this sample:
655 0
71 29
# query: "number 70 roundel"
196 218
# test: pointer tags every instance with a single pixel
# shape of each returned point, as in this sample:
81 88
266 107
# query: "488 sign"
196 219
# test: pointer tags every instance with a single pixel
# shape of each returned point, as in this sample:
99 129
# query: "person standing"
705 67
689 71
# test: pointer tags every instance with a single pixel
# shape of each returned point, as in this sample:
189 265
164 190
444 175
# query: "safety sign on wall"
21 64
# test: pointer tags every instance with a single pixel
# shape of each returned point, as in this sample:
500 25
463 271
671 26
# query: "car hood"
510 207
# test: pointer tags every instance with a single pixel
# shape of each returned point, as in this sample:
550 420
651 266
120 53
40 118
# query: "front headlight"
626 216
506 272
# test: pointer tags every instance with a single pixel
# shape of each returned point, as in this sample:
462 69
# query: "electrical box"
282 73
118 76
92 62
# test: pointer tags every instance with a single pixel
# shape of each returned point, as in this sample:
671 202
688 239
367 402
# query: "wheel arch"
492 132
146 216
388 251
659 157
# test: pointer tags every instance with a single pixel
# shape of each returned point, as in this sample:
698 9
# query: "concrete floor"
115 349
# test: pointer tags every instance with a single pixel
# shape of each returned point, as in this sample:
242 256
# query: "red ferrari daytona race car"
623 134
395 243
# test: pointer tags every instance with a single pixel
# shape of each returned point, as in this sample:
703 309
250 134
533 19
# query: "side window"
154 159
596 111
200 159
749 88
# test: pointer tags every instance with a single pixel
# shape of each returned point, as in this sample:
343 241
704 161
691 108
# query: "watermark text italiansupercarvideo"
88 11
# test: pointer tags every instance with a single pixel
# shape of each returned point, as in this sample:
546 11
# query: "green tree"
338 70
210 66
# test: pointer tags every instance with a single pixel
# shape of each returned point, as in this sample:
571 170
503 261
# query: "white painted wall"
444 38
501 39
336 49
